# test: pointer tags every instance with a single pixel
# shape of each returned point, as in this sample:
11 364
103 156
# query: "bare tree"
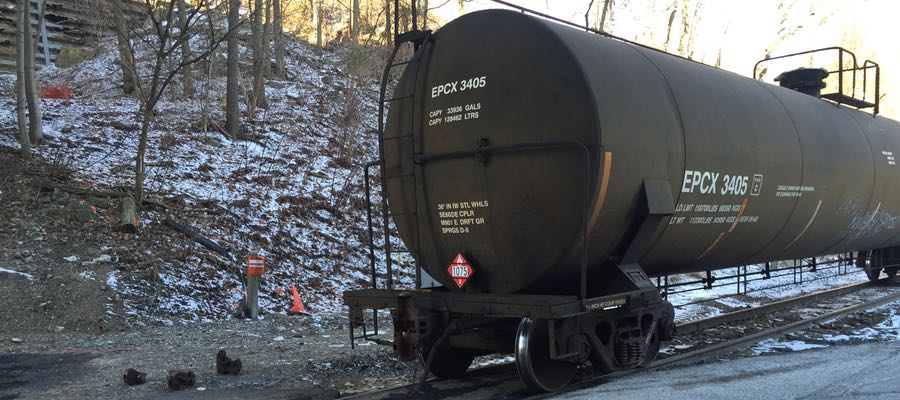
319 9
130 81
673 8
258 97
232 113
21 20
267 40
388 39
604 11
212 60
690 19
278 38
163 41
187 78
354 24
35 127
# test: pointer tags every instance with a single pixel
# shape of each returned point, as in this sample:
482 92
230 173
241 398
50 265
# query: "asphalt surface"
865 371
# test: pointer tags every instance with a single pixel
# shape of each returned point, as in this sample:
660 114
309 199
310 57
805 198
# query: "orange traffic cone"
298 307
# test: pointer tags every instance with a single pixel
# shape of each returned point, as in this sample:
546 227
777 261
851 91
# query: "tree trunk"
21 20
232 113
129 217
684 36
35 127
388 38
318 12
354 24
669 28
425 15
187 73
210 61
267 41
279 38
146 119
126 60
258 98
404 17
37 33
601 23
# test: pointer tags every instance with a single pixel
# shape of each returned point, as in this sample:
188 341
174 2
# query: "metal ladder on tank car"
417 38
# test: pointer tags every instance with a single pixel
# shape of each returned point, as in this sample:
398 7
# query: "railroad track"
502 382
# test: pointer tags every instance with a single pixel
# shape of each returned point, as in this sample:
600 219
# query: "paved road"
865 372
38 371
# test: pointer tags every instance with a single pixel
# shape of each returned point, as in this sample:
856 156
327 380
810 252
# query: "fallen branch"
202 240
208 243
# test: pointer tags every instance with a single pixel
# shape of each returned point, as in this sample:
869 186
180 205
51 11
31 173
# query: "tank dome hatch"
809 81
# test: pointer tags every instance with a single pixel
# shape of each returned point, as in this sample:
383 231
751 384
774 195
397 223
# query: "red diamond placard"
460 270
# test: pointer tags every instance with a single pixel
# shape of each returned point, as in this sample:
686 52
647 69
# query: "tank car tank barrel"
755 172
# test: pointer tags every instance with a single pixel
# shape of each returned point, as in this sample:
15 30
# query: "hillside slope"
293 193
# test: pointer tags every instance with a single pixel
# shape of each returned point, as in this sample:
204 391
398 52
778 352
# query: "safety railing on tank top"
846 64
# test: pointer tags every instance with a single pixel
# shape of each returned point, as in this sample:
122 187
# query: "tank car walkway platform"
864 371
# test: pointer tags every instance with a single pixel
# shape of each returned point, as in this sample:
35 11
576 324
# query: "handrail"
872 64
854 68
840 49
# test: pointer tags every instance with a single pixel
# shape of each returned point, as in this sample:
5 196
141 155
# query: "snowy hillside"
293 193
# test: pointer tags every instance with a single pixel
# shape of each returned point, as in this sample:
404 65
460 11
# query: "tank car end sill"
502 305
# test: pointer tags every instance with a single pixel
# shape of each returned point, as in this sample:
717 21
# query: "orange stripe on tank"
738 218
601 196
712 245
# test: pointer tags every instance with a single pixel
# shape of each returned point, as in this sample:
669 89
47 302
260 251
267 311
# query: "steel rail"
696 326
692 356
726 347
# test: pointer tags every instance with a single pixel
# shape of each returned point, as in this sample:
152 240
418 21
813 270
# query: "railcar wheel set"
541 175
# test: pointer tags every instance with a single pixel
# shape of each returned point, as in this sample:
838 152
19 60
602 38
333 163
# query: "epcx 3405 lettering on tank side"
706 182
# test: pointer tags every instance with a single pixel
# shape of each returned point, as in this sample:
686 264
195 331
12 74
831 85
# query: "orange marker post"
256 265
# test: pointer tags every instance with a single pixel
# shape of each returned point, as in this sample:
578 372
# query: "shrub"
59 91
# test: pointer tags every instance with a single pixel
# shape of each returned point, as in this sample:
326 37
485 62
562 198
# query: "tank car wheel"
448 362
533 361
870 262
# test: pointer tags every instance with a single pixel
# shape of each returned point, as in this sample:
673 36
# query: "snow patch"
780 346
12 272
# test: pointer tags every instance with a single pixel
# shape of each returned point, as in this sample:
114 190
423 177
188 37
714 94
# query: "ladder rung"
398 176
382 342
410 61
398 98
397 137
401 213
